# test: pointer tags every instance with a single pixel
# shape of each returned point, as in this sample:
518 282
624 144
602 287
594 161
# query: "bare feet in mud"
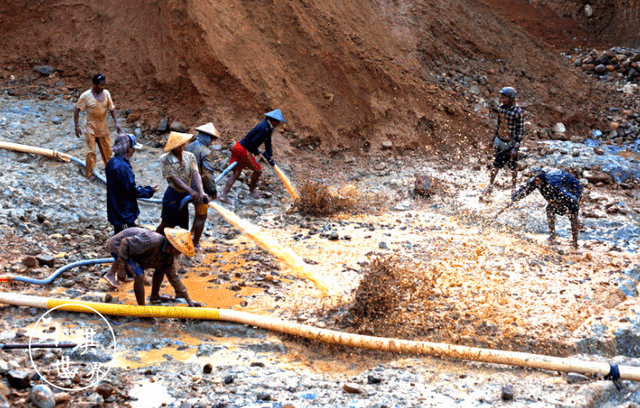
226 200
110 278
162 299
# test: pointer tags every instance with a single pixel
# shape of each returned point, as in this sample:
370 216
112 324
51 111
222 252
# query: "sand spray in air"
287 183
270 245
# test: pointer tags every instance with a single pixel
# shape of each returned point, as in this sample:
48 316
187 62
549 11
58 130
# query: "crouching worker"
563 193
137 249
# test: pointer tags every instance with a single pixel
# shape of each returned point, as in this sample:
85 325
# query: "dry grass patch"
318 199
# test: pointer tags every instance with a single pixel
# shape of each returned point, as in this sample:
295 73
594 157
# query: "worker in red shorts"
241 153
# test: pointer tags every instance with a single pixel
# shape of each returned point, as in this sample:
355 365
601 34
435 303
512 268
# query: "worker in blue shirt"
562 191
122 191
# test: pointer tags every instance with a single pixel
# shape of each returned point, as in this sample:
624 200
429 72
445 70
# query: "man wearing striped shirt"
507 139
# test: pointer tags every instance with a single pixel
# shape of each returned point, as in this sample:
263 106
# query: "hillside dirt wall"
347 74
616 21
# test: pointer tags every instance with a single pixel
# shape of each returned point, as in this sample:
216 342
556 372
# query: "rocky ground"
499 284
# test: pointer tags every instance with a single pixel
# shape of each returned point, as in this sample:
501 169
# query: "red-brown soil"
346 74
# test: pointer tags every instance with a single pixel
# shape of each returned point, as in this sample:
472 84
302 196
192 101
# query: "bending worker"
240 153
122 191
96 101
179 168
200 149
506 141
562 191
137 249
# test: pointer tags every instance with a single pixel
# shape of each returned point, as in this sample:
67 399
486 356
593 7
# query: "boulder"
44 70
594 176
42 396
424 185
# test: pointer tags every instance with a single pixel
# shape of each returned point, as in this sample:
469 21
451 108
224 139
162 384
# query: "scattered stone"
574 378
42 396
507 392
46 260
30 261
263 396
61 397
108 298
334 236
18 379
229 379
424 185
371 379
598 151
351 388
601 68
594 176
383 245
588 10
185 405
177 126
257 364
387 144
44 70
104 389
95 399
559 128
163 125
207 369
380 166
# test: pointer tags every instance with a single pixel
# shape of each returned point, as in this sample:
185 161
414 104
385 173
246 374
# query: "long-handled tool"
15 346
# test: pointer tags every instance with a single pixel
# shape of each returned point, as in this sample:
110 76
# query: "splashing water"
270 245
287 183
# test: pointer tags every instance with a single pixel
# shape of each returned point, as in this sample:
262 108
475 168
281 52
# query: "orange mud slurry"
269 244
287 183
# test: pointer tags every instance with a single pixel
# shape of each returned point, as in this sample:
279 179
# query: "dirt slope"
346 73
615 21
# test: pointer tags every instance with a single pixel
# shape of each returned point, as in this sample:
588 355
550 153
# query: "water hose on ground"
55 274
333 337
61 156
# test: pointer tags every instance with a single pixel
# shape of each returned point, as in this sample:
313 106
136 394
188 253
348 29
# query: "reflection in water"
150 395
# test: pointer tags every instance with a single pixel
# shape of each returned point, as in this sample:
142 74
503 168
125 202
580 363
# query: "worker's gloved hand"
137 270
268 158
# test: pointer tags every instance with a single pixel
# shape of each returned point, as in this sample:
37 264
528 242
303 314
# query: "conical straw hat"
176 139
181 240
209 129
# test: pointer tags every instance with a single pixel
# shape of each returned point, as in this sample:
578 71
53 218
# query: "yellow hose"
36 150
333 337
